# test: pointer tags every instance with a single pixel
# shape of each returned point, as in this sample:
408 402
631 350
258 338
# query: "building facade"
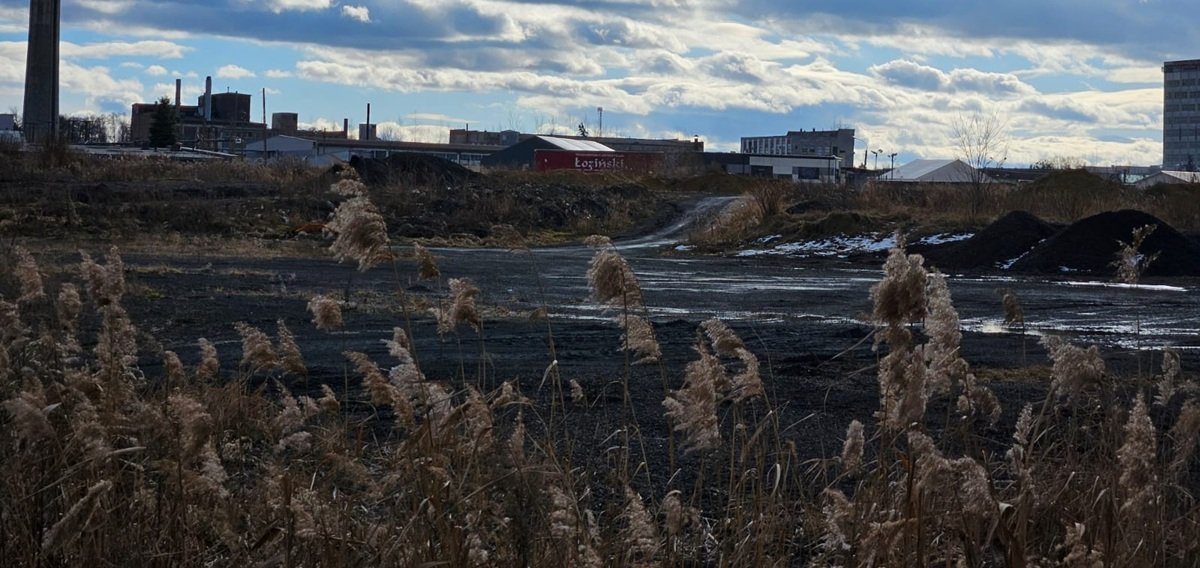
1181 115
838 143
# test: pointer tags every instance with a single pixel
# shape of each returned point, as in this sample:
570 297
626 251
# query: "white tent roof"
1169 176
576 145
932 171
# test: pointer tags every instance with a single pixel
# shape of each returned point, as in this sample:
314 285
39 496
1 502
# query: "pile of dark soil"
411 169
1007 238
1090 245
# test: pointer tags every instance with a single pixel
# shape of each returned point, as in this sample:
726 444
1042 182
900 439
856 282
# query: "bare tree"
982 142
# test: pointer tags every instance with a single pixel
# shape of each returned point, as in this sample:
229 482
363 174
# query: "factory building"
1181 115
218 121
322 152
838 143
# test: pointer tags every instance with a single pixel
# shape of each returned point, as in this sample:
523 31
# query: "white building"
933 171
1168 177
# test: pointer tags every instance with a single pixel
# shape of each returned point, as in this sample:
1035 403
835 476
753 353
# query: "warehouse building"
800 169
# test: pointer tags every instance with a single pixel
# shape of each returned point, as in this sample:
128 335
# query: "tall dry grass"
104 463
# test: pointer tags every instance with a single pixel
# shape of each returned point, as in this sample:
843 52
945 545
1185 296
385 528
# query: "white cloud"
436 117
360 13
156 49
234 72
279 6
278 74
156 70
110 7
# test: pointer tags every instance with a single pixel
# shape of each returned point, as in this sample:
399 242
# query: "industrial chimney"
178 89
41 71
208 98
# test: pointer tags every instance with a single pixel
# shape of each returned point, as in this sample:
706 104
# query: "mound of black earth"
411 169
1091 245
996 246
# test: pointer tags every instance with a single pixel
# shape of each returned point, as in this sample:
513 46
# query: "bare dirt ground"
801 317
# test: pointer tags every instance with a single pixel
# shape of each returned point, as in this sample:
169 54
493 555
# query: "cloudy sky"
1077 79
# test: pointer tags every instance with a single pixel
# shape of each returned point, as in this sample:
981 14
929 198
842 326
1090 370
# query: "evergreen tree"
162 126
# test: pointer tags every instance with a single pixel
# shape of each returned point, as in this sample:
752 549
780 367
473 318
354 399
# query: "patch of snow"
684 248
839 246
767 239
1153 287
943 238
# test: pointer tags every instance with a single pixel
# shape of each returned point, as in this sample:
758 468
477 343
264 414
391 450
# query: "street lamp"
877 153
891 171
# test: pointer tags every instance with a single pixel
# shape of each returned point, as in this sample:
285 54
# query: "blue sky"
1069 78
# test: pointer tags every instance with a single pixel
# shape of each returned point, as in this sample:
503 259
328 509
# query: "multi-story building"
1181 115
838 143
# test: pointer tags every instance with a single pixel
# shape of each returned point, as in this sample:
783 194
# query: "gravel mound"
1090 245
411 169
996 246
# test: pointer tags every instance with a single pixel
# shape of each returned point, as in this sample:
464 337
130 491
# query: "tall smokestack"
368 121
346 127
41 71
178 89
208 98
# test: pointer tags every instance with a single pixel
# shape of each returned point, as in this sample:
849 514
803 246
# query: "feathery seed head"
427 266
326 311
26 271
256 347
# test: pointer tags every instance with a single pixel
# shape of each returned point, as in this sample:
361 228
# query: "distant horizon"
1083 85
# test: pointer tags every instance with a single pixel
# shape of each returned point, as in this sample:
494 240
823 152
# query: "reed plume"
77 519
361 233
1131 263
28 276
640 340
1139 482
899 298
257 352
105 283
1014 314
852 448
67 308
610 278
174 369
1185 437
289 352
210 366
326 311
640 540
427 265
462 307
30 417
577 395
693 408
1167 384
1076 371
